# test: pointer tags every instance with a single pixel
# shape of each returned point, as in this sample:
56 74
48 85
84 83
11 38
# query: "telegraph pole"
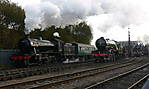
129 45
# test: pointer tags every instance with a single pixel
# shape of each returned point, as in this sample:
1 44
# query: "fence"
5 55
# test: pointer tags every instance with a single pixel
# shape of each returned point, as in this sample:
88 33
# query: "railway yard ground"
121 74
6 67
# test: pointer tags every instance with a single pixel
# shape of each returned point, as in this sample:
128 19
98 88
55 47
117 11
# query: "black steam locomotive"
107 50
53 50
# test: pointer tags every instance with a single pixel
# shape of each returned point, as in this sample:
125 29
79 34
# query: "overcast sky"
108 18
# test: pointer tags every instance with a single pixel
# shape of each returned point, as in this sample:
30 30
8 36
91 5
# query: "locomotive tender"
53 50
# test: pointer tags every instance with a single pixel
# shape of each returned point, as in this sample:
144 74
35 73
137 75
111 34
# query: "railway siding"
139 84
81 82
36 83
122 81
31 79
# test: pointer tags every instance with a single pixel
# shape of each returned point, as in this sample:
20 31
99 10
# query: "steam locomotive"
53 50
107 50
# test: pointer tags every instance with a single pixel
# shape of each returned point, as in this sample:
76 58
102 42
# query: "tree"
48 32
66 34
80 33
36 33
11 24
83 31
11 16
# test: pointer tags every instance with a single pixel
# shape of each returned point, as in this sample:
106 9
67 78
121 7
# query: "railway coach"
78 52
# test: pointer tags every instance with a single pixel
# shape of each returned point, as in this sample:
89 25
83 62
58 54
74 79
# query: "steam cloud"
108 18
59 12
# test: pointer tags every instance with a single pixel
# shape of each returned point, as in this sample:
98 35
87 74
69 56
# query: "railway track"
59 79
139 84
128 80
38 70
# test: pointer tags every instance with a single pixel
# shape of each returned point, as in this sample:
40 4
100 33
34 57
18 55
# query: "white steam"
120 16
108 18
58 12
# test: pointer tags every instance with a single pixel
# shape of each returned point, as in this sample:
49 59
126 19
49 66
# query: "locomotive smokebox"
101 43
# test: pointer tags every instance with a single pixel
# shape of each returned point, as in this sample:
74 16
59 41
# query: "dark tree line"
80 33
12 25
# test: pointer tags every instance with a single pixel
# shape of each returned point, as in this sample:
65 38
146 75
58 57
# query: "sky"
108 18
